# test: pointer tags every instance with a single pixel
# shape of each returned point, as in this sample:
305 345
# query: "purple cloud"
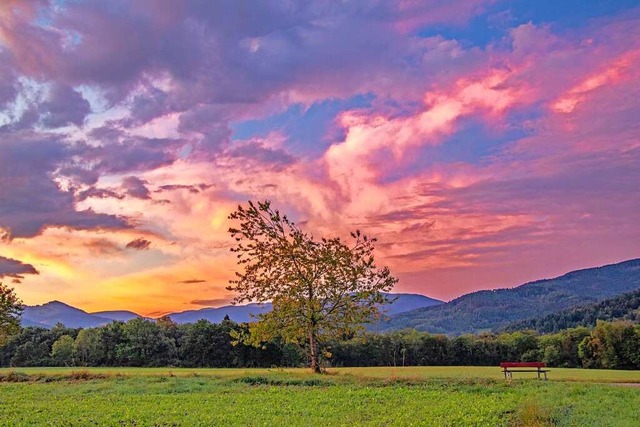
120 153
135 187
16 269
30 199
64 106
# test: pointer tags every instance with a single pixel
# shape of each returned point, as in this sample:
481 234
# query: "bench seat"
508 368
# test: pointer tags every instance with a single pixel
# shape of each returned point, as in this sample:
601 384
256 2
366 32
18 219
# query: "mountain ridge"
53 312
486 310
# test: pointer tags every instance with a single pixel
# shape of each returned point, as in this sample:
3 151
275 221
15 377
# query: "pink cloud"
353 161
622 68
138 99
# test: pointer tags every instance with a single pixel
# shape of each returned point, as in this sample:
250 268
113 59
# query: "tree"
62 351
146 345
319 289
10 310
86 347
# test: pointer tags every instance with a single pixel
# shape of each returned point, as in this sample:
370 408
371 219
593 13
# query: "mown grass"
364 396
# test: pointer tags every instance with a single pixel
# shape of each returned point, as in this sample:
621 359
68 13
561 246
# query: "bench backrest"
523 364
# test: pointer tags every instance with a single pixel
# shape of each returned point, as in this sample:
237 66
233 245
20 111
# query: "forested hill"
623 307
484 311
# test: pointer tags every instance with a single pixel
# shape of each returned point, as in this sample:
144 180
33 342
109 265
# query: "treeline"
623 307
140 342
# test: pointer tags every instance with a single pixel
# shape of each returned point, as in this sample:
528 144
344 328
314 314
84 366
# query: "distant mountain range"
484 311
49 314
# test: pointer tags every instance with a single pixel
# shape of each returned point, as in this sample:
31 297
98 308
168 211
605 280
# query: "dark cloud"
30 197
223 58
136 187
64 106
140 244
15 269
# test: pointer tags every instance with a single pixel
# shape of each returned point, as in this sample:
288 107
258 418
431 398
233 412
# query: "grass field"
437 396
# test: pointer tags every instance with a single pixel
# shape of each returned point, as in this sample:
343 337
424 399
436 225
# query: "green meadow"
438 396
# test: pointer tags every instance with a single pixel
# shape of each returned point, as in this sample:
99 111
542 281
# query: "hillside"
623 307
487 310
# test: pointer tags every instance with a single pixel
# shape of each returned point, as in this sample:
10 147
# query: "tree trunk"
313 353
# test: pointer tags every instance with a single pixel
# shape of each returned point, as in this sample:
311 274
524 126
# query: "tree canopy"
10 310
320 289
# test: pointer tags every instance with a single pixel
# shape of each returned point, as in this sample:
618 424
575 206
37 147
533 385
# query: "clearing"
371 396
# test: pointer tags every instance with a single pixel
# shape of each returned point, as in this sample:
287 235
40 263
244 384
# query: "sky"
485 143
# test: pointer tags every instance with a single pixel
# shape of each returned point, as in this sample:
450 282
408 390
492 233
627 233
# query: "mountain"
58 312
484 311
237 313
47 315
407 302
245 313
623 307
121 315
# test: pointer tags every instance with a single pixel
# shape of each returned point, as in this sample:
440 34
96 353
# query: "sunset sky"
484 142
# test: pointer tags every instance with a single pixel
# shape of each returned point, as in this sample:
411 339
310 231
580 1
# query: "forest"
140 342
622 307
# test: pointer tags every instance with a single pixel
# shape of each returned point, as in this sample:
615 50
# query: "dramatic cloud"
485 143
30 197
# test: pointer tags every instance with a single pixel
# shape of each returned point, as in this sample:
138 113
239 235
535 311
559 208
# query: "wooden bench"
508 368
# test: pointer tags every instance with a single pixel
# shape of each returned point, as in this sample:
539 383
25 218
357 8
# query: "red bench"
508 368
